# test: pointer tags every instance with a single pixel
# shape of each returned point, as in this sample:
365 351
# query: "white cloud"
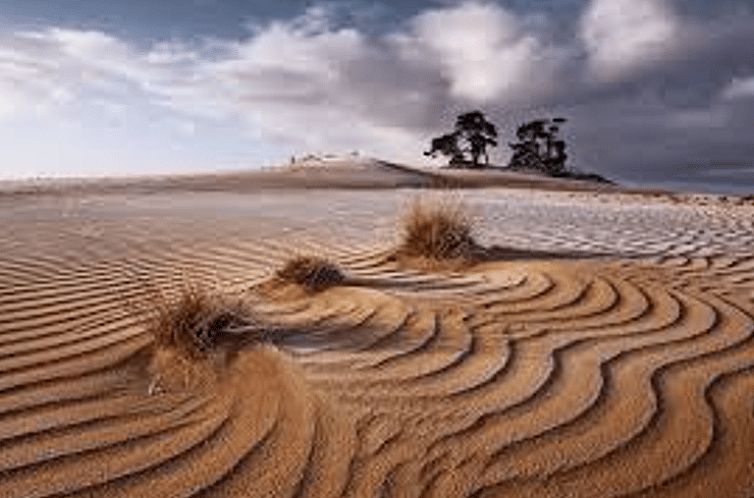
304 81
483 51
53 68
290 81
739 88
621 36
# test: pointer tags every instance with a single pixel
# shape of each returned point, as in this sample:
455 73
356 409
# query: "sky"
657 92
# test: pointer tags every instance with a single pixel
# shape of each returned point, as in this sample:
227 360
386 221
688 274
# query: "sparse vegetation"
310 272
540 148
192 322
472 135
437 229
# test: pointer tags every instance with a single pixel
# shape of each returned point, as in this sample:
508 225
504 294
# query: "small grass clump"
193 321
312 273
436 229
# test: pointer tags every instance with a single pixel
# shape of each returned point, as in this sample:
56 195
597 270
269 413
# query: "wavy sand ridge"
605 375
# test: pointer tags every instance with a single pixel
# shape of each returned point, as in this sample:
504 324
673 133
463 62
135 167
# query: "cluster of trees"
539 146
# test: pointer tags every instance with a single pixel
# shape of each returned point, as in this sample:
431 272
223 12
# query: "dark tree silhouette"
539 147
474 132
447 145
479 133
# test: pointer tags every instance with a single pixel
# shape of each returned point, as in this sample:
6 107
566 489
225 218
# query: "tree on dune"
447 145
472 135
539 147
478 133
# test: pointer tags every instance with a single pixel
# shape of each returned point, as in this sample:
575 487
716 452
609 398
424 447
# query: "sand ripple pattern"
626 368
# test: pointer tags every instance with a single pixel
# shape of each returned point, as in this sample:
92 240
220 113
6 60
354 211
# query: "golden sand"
613 356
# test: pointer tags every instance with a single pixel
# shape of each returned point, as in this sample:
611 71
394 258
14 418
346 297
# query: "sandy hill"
352 173
607 350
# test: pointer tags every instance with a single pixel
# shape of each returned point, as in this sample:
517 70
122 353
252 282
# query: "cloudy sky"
657 92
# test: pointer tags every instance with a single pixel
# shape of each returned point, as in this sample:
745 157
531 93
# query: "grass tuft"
437 229
193 321
312 273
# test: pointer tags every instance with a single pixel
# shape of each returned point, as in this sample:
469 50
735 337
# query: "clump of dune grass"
437 229
310 272
193 321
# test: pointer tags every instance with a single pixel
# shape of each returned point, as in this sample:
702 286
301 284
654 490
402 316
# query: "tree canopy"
539 147
470 138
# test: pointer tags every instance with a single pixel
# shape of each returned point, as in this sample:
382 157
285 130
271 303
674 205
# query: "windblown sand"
613 356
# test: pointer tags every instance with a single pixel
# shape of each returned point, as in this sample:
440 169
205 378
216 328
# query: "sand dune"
345 173
623 367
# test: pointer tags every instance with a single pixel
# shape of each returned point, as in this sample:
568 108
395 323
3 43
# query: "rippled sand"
613 356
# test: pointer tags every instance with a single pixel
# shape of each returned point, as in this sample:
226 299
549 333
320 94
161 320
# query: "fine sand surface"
612 354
